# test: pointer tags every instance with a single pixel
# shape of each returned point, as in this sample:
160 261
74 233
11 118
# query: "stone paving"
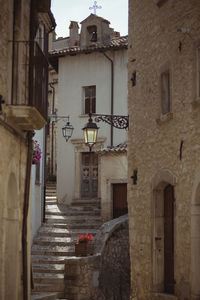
56 240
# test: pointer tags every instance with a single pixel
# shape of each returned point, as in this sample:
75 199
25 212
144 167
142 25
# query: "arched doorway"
195 245
163 233
11 241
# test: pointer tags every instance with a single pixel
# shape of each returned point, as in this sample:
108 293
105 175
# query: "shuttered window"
165 92
90 99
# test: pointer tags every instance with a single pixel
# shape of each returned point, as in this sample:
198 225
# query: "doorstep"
162 296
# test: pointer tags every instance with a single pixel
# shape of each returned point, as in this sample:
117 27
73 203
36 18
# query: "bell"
94 37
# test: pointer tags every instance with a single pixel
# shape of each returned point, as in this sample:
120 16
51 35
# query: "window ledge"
84 116
164 118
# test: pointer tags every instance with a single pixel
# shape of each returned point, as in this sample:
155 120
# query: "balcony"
28 106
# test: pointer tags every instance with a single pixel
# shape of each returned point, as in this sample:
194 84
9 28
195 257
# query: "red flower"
84 238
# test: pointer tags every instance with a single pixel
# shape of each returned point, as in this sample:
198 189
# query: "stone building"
23 108
164 149
92 77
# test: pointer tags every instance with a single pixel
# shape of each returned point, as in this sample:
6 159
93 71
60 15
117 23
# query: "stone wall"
164 148
106 274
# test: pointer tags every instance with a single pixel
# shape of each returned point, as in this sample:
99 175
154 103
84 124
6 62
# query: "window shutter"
93 105
87 105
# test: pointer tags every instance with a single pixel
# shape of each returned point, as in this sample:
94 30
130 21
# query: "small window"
90 99
161 2
198 72
165 92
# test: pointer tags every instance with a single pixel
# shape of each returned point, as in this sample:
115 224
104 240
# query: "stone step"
73 219
73 225
48 259
50 268
61 232
49 212
46 296
49 278
86 202
48 287
55 241
52 251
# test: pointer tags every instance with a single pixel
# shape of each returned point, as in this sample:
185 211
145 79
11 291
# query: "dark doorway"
169 239
120 206
89 175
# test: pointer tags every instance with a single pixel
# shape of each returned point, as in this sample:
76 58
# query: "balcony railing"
30 77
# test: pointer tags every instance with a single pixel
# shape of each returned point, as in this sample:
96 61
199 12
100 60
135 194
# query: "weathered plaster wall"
12 182
154 140
113 169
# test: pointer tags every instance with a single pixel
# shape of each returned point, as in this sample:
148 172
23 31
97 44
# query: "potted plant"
37 153
83 245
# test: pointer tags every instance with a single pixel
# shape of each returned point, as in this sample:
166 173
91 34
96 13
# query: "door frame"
162 179
118 183
79 147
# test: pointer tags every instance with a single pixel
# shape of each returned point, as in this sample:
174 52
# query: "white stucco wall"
37 189
113 169
76 72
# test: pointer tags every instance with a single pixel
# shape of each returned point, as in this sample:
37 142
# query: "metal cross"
95 7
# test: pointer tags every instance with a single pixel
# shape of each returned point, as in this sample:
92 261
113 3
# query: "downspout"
25 216
13 51
112 95
52 128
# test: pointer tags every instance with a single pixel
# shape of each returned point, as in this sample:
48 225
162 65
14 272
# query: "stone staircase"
56 240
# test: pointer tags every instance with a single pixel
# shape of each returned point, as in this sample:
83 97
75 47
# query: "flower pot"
81 249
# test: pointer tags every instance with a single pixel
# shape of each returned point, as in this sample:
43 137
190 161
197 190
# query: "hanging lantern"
90 133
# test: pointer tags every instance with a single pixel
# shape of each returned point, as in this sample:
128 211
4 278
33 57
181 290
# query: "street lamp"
67 130
91 130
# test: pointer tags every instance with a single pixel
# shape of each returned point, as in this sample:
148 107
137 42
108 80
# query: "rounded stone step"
50 268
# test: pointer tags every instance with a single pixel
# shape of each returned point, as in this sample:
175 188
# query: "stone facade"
106 274
16 147
164 148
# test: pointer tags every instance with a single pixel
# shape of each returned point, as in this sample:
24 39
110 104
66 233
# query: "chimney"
73 33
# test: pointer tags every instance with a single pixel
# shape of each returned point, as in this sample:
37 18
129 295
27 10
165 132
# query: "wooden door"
89 175
169 239
120 206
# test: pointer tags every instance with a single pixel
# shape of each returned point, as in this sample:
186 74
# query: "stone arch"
162 180
195 240
12 239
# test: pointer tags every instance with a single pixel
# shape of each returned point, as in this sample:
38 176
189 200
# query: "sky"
116 11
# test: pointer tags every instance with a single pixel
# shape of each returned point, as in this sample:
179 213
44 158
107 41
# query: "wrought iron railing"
30 76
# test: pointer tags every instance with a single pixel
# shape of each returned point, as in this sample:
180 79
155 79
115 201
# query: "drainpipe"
25 216
52 127
112 95
13 51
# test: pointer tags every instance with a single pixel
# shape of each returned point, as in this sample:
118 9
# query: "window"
161 2
90 99
165 92
198 72
92 31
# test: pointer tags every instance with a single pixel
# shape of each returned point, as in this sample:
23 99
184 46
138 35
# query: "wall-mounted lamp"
67 130
91 130
1 102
